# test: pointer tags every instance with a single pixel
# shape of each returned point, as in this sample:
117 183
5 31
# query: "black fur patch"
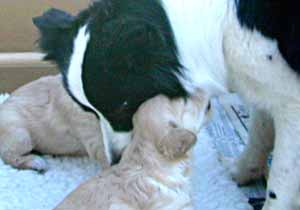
272 195
130 58
276 19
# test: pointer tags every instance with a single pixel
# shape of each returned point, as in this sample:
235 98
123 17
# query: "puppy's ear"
54 26
176 143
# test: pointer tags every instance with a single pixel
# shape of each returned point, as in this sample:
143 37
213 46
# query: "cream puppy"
153 173
42 117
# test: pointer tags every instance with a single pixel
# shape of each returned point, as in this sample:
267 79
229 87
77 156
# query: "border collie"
118 53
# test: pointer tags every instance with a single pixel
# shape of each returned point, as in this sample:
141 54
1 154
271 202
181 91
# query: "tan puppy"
153 172
41 116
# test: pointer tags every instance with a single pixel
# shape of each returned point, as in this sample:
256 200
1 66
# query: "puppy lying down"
40 116
153 173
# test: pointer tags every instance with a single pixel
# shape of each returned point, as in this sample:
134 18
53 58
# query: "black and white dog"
119 53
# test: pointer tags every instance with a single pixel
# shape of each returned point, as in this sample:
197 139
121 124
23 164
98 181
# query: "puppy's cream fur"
153 172
42 117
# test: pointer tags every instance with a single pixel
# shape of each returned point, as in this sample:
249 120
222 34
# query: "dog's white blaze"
75 67
198 30
76 86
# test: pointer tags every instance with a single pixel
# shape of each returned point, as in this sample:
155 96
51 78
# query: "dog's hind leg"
15 148
283 190
253 162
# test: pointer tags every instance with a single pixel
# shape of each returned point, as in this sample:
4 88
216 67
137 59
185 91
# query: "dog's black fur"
276 19
131 55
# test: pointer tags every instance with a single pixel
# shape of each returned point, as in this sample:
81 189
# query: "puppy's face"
172 125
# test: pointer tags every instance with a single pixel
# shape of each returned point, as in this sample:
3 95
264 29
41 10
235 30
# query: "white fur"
76 87
75 68
198 29
275 88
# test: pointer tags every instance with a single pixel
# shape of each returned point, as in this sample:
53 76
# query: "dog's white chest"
198 29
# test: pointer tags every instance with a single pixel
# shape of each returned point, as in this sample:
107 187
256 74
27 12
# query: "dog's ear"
176 143
54 26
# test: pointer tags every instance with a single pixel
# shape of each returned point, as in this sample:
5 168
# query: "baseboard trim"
17 69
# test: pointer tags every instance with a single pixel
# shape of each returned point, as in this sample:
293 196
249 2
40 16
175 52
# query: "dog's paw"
242 173
230 165
33 162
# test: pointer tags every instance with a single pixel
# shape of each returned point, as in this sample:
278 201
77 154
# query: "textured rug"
29 190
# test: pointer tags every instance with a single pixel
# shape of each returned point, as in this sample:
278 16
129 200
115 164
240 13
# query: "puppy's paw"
33 162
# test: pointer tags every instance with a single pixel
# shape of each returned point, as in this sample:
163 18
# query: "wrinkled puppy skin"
42 117
153 173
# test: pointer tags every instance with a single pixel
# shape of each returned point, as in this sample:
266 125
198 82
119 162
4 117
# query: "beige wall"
17 31
18 35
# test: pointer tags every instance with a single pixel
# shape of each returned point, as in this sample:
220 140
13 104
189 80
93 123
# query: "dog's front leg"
283 192
252 163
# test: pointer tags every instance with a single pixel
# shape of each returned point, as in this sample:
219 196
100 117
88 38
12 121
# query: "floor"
230 133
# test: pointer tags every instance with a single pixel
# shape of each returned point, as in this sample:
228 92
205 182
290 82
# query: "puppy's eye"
208 107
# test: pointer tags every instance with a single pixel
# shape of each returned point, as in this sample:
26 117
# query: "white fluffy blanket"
29 190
